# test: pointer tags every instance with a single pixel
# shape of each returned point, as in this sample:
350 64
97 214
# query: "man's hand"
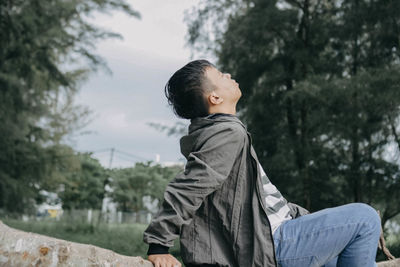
164 260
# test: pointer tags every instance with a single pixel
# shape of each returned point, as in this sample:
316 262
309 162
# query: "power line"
100 150
130 155
117 151
114 152
130 160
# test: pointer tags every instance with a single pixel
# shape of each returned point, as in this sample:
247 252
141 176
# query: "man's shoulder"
222 132
213 134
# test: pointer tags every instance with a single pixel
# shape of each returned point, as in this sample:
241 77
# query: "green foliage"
45 53
320 92
84 187
144 179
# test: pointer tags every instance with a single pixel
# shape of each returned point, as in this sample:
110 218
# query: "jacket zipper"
262 202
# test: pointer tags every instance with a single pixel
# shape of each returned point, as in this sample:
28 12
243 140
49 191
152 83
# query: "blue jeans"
346 235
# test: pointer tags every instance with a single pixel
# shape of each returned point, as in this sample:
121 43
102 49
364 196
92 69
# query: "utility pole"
106 199
111 157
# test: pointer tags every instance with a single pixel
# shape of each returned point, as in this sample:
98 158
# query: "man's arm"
206 170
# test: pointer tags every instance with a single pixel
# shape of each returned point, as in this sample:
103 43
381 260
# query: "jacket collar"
200 122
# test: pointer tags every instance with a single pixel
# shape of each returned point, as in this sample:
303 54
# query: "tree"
316 77
132 184
45 53
84 188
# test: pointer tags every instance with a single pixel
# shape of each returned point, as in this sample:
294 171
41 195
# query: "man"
223 206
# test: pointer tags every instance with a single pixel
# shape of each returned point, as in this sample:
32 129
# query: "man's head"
199 88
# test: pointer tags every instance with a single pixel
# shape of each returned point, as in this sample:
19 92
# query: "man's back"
215 204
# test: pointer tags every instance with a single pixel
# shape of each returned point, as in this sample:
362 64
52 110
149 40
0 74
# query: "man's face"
225 87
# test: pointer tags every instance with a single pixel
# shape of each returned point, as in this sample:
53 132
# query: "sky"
152 49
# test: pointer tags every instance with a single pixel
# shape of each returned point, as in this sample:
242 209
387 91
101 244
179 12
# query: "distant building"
51 207
169 163
172 163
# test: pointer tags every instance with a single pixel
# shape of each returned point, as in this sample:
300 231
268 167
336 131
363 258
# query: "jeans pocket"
308 261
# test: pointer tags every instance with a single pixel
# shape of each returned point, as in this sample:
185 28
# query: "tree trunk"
355 174
18 248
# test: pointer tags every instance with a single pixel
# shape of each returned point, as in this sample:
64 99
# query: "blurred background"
88 142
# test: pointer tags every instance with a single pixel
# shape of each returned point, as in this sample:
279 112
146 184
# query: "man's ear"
214 98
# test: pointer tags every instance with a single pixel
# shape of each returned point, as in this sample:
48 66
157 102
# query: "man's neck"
231 111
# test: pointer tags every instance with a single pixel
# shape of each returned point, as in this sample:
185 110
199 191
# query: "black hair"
186 89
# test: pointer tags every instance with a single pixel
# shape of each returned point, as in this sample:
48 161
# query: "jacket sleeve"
297 210
205 171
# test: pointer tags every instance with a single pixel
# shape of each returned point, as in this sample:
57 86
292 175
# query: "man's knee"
368 212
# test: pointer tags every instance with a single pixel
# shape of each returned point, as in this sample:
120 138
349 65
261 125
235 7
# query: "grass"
125 239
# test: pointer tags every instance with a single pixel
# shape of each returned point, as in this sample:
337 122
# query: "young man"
223 206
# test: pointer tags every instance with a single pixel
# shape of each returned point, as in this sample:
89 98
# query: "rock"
391 263
19 248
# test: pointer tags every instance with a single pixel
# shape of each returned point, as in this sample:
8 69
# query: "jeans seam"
296 258
318 231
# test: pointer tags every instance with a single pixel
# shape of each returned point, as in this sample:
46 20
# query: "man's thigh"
318 238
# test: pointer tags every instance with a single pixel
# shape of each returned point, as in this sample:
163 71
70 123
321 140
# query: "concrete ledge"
391 263
19 248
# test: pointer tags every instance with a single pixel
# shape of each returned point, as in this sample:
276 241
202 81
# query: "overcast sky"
123 103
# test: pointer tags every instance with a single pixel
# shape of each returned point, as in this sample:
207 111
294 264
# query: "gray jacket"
215 204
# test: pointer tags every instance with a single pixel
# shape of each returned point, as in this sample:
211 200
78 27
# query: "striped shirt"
276 204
